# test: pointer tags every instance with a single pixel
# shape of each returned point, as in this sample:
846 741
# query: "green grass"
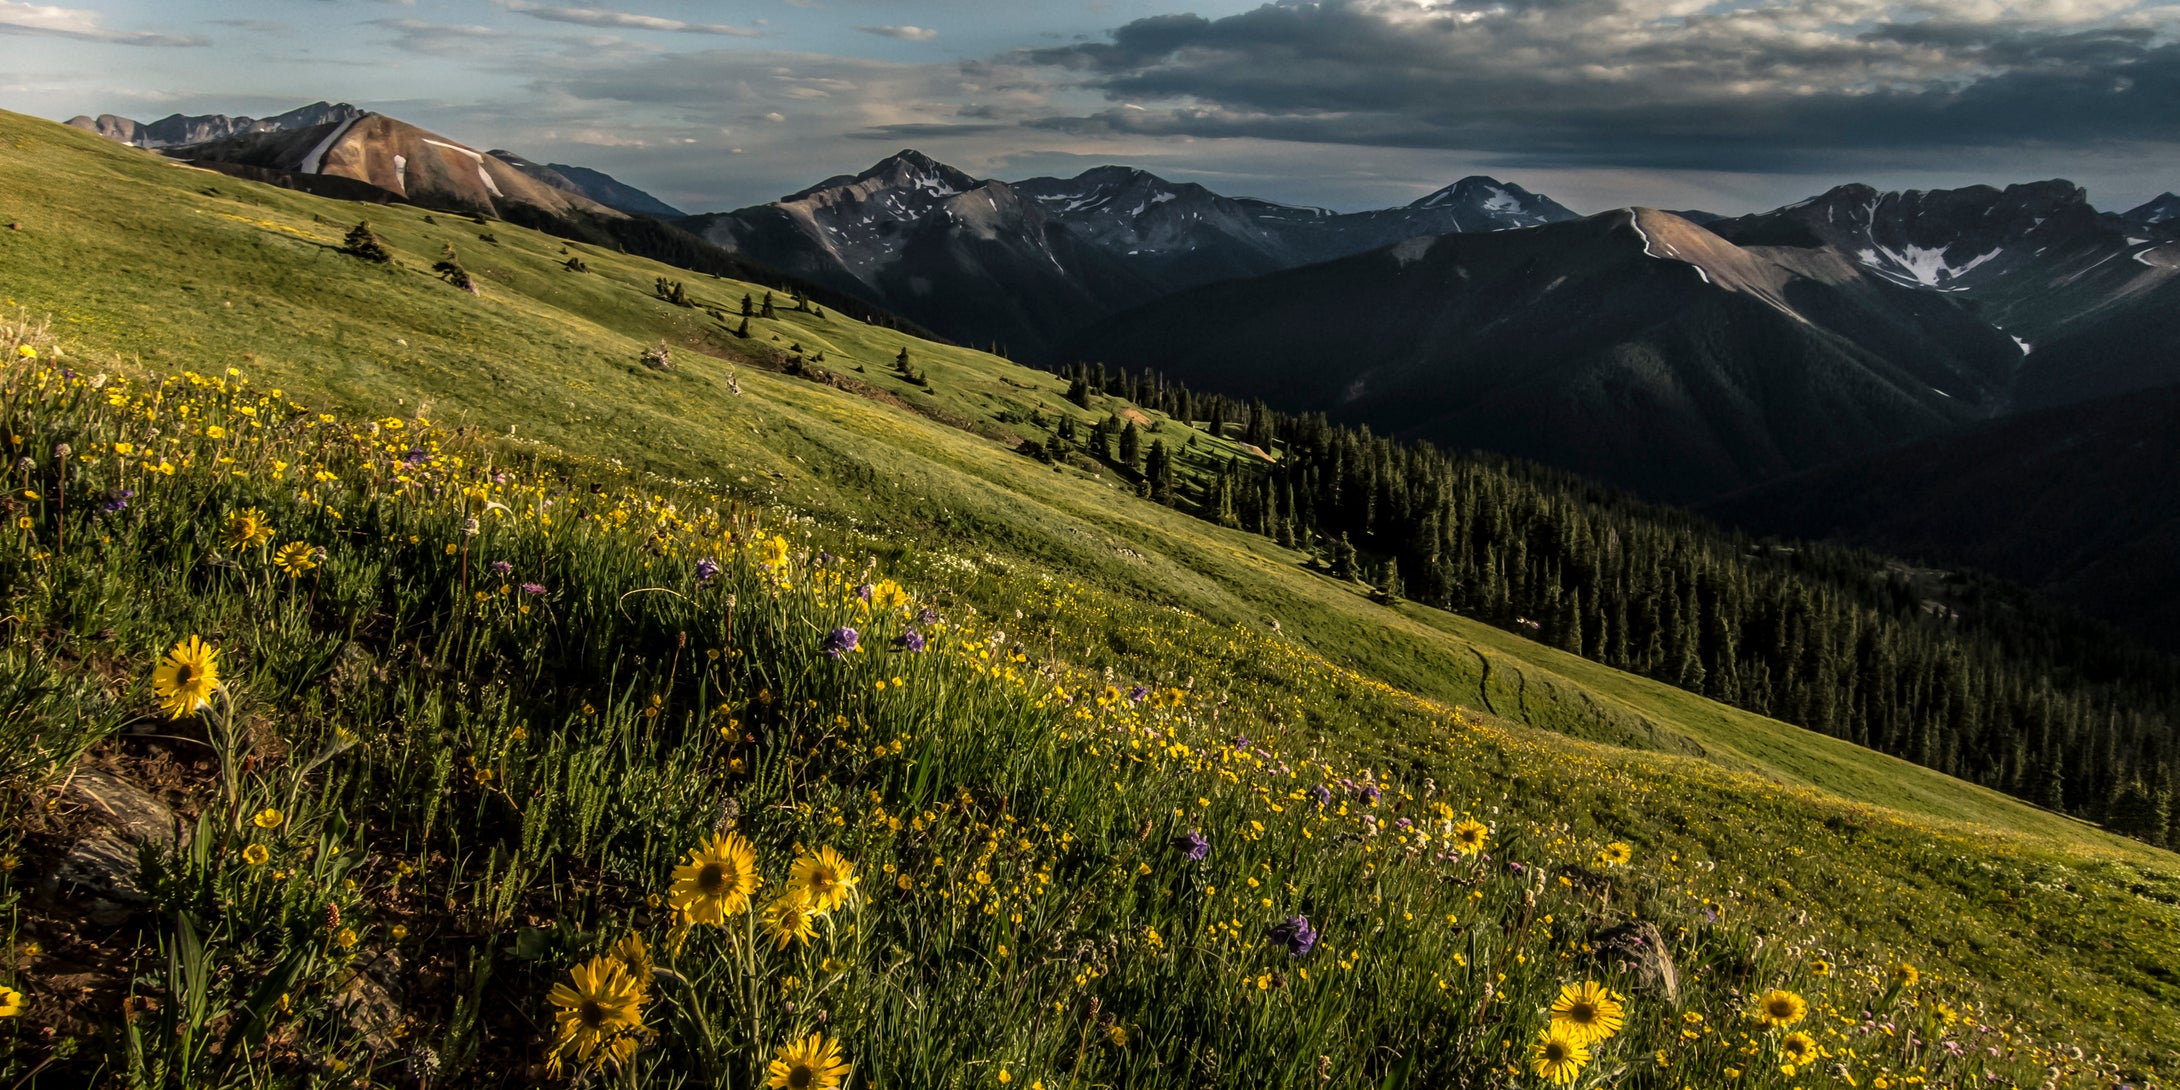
553 355
533 831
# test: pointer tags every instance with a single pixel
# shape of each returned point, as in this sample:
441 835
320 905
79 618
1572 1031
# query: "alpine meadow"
469 623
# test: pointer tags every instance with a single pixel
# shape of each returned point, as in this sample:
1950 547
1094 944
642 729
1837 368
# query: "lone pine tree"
364 243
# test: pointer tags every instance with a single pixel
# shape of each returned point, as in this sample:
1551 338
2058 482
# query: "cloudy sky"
1728 105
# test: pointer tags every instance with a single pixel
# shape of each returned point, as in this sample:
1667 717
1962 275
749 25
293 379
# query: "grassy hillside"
513 775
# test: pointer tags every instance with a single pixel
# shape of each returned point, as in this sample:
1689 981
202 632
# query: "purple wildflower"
117 501
909 640
415 456
824 558
1195 846
501 567
532 589
864 591
1140 693
1322 794
929 616
1370 793
1295 931
706 569
841 641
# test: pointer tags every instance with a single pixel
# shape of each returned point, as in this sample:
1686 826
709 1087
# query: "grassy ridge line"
553 353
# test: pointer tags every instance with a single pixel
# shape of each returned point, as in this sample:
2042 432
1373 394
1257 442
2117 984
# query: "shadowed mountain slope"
1633 346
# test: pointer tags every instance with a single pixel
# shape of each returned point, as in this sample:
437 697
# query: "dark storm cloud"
1636 83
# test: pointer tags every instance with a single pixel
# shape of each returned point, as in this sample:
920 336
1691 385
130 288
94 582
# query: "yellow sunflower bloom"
1588 1013
11 1002
246 528
1557 1057
812 1063
1779 1007
787 919
1798 1048
600 1016
1469 836
1616 854
635 959
186 678
295 557
1905 975
717 880
825 880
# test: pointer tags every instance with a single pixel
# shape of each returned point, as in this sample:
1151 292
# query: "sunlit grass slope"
518 757
139 256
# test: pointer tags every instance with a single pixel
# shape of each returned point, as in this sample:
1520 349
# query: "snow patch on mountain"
314 162
1920 265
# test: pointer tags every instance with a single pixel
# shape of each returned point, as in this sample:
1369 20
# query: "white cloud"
20 18
904 33
623 20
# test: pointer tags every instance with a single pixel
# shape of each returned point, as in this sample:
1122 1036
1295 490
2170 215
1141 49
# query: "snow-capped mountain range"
2093 296
914 234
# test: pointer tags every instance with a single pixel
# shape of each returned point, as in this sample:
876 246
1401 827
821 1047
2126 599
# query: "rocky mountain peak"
2162 210
1504 204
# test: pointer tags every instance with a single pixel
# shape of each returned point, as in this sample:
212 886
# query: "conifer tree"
1344 563
449 268
1158 472
363 243
1390 588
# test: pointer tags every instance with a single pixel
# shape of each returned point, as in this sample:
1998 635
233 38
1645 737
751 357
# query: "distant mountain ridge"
977 261
2091 298
596 185
910 231
2162 210
1632 346
179 130
184 131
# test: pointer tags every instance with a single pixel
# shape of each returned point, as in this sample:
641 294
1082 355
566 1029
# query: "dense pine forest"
1952 670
